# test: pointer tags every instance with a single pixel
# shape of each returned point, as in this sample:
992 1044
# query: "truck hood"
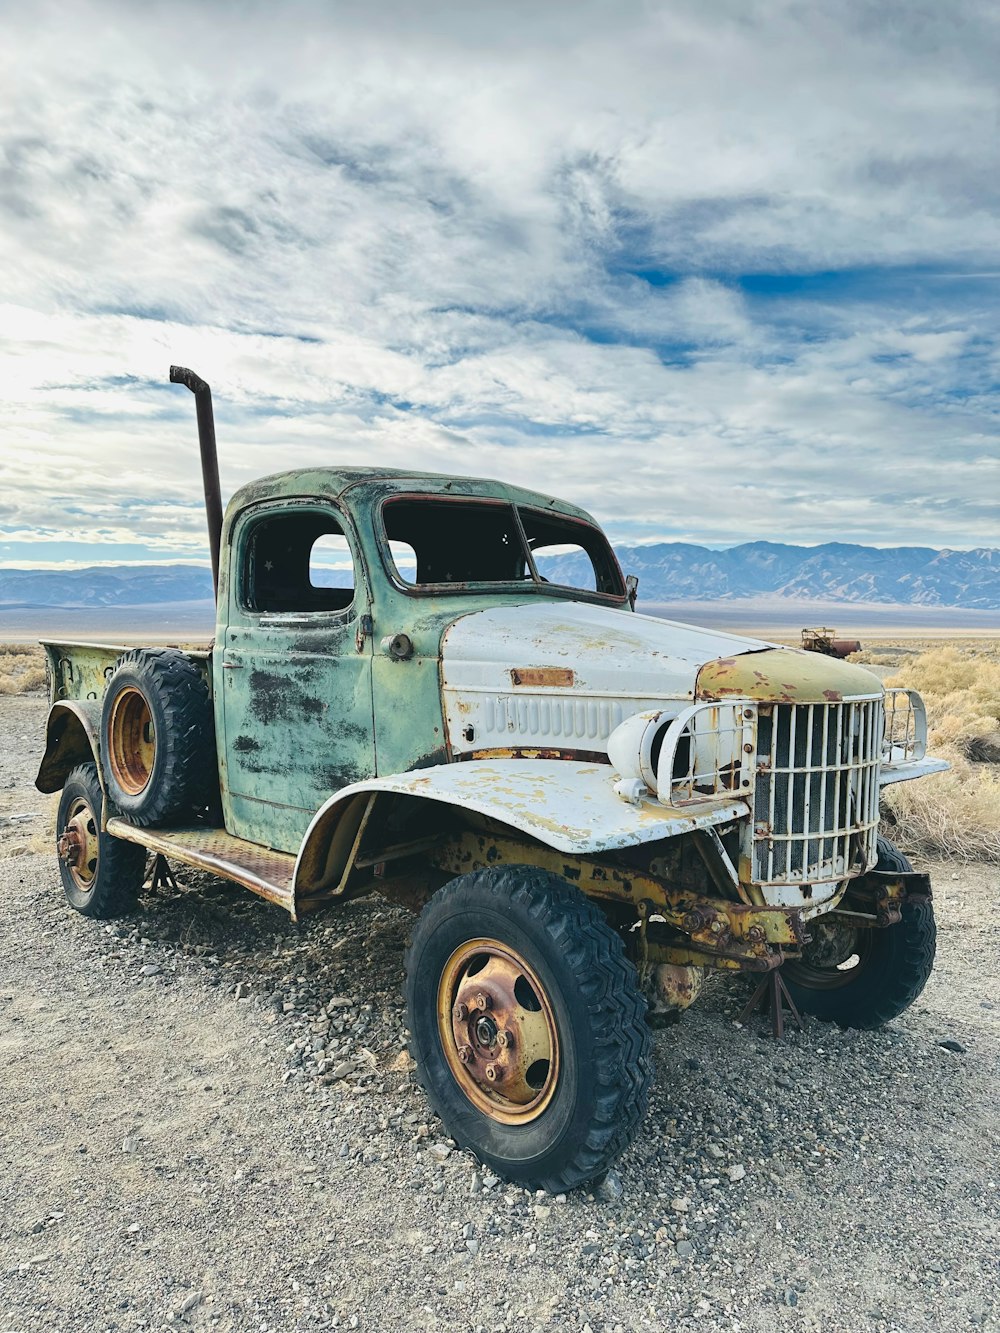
552 677
583 648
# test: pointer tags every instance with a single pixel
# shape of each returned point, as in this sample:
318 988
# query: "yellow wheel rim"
498 1031
79 844
132 741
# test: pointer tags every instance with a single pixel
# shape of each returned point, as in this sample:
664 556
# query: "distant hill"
105 585
916 576
834 572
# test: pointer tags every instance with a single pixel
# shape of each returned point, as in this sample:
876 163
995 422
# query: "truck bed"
79 670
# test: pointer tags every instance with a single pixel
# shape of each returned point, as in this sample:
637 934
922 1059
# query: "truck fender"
563 804
71 738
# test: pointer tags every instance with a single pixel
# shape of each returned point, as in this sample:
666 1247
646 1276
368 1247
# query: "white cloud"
508 242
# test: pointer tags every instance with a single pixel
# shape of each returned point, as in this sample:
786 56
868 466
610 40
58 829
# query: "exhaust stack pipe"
209 460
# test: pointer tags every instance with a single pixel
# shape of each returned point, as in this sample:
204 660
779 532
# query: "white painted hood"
621 663
609 651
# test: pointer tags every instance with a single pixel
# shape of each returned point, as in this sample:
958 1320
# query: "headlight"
706 750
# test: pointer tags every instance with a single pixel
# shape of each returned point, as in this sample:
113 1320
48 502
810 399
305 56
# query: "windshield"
450 544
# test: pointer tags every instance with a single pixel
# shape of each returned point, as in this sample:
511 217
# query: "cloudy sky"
715 270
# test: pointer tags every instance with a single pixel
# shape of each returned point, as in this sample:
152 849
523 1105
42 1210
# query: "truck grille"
816 791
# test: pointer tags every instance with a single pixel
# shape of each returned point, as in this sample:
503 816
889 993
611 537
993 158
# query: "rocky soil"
208 1121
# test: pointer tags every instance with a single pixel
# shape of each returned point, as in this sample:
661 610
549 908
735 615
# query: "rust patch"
553 677
537 752
670 987
785 675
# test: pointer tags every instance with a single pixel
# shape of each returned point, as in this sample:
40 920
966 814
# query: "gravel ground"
208 1122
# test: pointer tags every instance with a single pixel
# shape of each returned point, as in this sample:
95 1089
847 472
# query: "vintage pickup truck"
438 688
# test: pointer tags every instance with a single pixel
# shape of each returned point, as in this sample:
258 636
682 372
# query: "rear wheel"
528 1026
101 875
860 976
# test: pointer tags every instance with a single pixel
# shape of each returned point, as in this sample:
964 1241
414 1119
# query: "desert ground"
209 1122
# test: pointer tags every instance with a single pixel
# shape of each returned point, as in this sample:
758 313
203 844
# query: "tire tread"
122 865
909 964
184 783
622 1069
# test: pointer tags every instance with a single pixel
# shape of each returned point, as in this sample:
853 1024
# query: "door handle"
232 666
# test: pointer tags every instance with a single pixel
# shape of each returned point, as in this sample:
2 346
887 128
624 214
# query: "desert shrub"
956 813
961 691
876 657
981 749
22 669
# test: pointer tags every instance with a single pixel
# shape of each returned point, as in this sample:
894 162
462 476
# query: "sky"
717 271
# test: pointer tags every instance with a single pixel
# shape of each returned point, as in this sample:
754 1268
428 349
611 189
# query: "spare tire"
158 738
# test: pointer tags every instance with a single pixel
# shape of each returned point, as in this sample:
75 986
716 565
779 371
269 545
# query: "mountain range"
667 572
104 585
833 572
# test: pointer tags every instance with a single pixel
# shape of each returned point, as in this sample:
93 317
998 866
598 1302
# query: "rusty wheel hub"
132 741
79 846
833 943
498 1031
835 957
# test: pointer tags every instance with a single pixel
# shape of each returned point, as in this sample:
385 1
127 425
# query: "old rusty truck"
438 688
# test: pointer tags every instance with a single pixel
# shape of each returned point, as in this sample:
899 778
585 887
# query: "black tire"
891 858
101 875
595 1084
158 738
891 968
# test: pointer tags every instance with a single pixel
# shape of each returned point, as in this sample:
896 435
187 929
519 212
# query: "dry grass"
956 813
898 652
22 669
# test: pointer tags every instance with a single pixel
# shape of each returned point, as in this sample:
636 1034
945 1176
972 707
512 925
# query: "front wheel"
527 1026
860 976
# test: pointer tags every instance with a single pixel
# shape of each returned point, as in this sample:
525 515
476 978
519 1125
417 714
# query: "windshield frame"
533 585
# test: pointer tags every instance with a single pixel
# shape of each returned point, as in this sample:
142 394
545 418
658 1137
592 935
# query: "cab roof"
333 483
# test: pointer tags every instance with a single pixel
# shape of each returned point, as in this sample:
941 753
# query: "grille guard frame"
910 720
712 749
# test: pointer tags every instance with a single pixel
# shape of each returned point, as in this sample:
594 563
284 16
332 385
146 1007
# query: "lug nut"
465 1054
492 1073
483 1002
502 1039
460 1012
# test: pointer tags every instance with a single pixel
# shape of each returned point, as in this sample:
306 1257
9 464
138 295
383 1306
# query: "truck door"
296 670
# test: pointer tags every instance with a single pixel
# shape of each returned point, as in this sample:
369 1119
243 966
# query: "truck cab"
337 592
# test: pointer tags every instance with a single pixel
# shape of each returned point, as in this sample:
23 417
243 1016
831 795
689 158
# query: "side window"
299 560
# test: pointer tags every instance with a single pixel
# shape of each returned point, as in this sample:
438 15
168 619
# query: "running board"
259 869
